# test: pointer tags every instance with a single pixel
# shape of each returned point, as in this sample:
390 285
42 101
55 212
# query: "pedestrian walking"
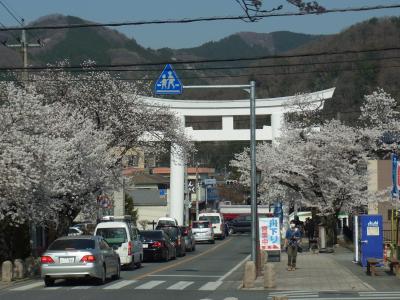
292 244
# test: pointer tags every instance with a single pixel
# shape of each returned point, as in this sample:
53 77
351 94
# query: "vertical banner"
395 180
269 234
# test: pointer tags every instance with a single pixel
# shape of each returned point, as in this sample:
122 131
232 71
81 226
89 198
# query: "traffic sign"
168 83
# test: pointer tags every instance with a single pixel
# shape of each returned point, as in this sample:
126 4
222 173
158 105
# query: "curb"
7 285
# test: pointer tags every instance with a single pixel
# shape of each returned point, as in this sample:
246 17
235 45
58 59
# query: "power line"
231 76
19 20
233 67
204 60
202 19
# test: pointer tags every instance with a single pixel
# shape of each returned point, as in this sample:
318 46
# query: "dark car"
240 224
157 245
188 236
175 233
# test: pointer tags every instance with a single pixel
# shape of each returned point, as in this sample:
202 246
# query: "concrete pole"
276 125
177 184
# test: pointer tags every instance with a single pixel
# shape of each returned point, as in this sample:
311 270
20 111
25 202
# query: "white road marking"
119 285
149 285
180 285
231 298
52 288
29 286
181 275
222 278
81 287
210 286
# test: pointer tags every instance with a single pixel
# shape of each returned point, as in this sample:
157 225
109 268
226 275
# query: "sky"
191 35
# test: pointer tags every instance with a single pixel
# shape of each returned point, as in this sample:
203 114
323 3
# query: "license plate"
67 260
145 245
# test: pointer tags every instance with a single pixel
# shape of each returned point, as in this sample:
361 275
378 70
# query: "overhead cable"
200 19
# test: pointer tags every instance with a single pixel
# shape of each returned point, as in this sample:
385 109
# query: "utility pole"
253 179
23 46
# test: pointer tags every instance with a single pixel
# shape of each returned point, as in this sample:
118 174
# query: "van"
217 221
123 237
167 221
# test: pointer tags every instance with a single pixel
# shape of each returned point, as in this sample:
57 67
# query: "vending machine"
368 238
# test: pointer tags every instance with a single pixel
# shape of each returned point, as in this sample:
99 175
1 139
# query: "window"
200 224
212 219
151 235
72 244
133 160
204 122
113 236
243 122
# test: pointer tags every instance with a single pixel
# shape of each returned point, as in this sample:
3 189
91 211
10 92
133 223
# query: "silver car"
79 257
203 231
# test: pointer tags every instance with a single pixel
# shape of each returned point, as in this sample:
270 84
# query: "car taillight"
46 260
157 244
129 248
186 232
178 241
209 225
88 258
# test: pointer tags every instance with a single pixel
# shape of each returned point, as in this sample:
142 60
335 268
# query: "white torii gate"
226 109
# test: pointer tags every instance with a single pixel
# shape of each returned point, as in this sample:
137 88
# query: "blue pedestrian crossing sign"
168 83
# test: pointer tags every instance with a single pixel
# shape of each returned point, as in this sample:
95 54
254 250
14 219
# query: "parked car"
217 221
157 245
74 231
190 242
79 257
166 221
240 224
203 231
122 236
175 233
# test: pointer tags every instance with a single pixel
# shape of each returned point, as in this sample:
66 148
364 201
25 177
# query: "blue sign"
395 192
212 194
168 83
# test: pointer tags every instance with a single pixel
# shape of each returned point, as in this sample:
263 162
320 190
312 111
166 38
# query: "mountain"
362 74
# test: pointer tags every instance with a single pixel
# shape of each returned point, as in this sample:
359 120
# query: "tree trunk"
331 230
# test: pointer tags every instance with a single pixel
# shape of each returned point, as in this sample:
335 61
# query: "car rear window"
173 232
165 222
200 224
73 244
114 236
151 235
212 219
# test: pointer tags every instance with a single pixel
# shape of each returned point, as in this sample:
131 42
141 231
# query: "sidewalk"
317 272
329 272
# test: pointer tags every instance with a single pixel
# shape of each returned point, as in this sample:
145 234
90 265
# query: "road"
211 272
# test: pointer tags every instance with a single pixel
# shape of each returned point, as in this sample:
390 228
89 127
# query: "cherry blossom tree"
62 137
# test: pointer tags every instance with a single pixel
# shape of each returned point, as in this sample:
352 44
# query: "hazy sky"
189 35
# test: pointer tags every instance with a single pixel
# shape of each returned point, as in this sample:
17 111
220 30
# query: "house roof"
142 178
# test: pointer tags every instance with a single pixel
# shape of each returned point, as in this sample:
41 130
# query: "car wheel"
118 274
194 247
103 278
48 282
212 241
139 264
166 258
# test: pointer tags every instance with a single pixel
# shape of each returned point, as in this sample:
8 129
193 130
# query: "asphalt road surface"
212 272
